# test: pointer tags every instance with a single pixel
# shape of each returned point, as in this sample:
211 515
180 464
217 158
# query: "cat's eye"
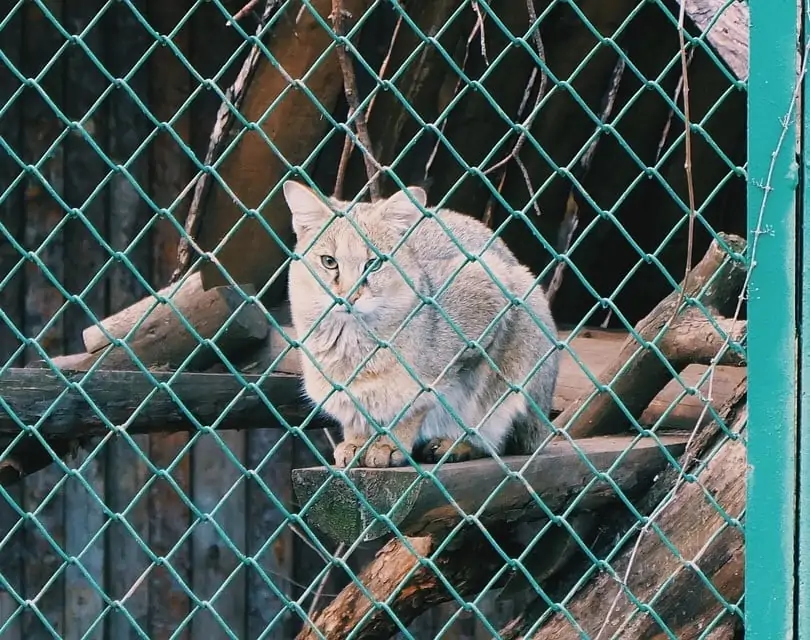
373 265
329 262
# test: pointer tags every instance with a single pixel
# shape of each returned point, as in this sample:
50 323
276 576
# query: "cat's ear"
401 212
309 213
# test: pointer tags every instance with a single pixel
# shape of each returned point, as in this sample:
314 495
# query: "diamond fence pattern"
168 166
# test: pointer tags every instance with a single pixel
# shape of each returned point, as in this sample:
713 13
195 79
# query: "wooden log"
709 542
295 125
725 25
418 505
397 565
162 338
637 374
30 393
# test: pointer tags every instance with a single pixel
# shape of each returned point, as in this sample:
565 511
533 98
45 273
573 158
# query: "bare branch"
350 89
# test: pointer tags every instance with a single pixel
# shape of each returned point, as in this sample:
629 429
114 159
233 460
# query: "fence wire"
572 166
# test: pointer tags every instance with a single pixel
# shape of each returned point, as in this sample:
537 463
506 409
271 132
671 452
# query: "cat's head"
344 259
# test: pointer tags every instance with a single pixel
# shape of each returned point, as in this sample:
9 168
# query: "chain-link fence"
353 319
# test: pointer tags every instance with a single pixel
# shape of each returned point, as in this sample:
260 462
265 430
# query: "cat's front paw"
383 453
344 452
432 451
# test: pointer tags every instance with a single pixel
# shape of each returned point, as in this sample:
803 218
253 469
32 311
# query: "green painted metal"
772 302
802 604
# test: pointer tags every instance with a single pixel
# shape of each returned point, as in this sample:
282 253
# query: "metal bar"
772 339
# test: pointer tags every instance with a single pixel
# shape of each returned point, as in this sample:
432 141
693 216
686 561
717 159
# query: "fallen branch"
162 338
399 575
637 374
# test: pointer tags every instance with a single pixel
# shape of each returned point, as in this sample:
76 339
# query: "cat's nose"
354 297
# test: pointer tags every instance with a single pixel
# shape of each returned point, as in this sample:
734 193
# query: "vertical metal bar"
772 318
803 556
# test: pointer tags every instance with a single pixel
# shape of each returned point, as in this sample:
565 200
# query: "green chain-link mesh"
25 515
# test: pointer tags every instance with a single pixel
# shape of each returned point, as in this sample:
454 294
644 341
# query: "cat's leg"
434 449
345 451
474 406
441 431
384 452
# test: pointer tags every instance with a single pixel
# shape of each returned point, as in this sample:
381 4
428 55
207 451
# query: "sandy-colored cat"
446 369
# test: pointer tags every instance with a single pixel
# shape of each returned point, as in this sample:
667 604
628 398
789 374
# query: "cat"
423 367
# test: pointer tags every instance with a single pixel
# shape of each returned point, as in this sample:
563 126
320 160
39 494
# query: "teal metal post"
803 572
772 329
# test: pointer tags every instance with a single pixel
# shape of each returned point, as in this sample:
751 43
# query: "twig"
350 89
487 219
478 25
242 12
340 177
313 607
570 220
687 155
479 22
541 92
348 144
668 124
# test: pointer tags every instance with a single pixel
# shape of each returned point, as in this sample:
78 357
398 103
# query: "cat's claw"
344 452
432 451
382 454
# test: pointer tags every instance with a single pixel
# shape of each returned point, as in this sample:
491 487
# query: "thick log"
396 576
725 25
701 519
295 124
130 400
417 505
637 373
162 339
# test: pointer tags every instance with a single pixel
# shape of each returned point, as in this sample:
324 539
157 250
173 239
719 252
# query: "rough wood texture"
725 25
295 126
637 374
386 577
31 392
163 340
417 505
692 523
